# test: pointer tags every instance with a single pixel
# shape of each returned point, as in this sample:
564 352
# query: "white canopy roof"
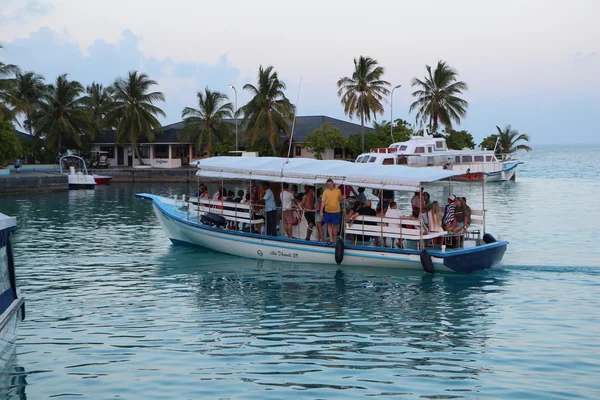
308 171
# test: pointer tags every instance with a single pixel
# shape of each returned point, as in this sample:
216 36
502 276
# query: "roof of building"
24 136
304 125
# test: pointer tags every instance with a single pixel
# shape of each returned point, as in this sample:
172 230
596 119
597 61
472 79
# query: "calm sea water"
115 311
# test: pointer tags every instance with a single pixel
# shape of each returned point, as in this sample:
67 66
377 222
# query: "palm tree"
135 110
7 72
437 98
26 95
99 103
61 115
269 111
205 122
508 139
363 94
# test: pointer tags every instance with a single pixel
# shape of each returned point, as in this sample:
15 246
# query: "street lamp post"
235 115
392 112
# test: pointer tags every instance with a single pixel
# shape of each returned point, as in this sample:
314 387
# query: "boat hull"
182 231
507 173
102 179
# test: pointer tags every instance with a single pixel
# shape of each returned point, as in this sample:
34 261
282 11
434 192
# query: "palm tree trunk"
210 152
137 153
362 131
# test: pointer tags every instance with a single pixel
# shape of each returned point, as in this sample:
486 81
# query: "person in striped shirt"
449 213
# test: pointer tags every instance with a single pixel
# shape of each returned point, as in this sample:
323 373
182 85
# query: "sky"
534 64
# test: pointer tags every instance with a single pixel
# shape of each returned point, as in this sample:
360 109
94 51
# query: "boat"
77 179
102 179
12 304
207 223
431 152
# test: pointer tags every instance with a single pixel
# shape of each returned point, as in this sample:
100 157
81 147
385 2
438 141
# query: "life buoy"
339 251
426 262
213 219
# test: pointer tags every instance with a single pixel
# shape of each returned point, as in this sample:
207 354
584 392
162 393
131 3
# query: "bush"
10 146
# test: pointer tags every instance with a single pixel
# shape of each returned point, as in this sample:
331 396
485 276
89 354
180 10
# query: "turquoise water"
115 311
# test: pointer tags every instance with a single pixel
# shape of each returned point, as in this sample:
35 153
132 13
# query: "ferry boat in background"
431 152
12 305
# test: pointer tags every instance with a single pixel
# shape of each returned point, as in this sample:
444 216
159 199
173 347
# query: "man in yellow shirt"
330 209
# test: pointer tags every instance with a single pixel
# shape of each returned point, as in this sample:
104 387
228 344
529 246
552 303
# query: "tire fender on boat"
488 238
339 251
213 219
426 262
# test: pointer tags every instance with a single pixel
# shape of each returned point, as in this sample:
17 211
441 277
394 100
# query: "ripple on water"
115 311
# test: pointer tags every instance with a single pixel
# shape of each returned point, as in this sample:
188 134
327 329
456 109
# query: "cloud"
50 54
18 11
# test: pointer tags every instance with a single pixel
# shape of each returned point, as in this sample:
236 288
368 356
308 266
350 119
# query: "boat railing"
405 228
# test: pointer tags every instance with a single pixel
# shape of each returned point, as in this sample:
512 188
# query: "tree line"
65 114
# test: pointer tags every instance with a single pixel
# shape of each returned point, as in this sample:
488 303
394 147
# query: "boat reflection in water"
315 315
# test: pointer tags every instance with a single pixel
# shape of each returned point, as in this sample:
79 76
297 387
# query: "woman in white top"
434 217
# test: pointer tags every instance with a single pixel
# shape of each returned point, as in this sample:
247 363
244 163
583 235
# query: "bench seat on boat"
376 226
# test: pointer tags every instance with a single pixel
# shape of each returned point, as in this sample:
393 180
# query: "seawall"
36 181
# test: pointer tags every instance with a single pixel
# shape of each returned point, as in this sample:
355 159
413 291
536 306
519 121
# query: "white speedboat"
427 151
78 175
219 225
12 305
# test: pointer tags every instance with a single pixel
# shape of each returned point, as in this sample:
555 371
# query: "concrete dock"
42 180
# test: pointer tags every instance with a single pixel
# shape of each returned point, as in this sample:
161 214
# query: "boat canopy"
306 171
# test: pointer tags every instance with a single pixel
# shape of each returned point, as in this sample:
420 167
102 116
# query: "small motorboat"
102 179
77 179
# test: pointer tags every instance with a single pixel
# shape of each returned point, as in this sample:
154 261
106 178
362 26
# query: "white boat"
78 179
203 222
12 305
432 152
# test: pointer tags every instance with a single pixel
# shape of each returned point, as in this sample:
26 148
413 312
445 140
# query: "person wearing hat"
449 212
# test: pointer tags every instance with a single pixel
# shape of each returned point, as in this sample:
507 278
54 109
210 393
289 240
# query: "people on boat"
218 193
434 216
387 196
366 210
239 197
318 215
347 190
449 213
460 216
361 195
308 206
287 206
18 165
330 209
268 200
393 213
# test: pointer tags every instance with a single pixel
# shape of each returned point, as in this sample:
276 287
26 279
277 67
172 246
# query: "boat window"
478 158
467 159
403 148
420 150
388 161
402 160
372 159
457 159
439 144
359 159
430 149
489 158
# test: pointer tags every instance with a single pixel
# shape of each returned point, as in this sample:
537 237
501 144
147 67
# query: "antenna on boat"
294 122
